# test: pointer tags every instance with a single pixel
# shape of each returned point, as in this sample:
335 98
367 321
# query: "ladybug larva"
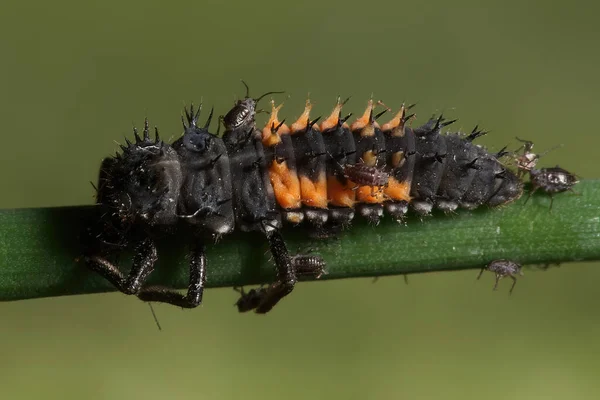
318 174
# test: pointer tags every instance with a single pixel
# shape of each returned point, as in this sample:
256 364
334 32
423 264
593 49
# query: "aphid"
502 269
366 175
552 180
306 265
526 161
549 180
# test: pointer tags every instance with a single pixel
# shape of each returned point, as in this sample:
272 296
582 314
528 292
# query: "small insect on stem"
502 269
549 180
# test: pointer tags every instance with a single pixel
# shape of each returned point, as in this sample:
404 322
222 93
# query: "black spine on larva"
206 196
253 199
461 168
430 161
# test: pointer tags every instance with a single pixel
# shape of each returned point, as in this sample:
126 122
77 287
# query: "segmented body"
312 174
255 179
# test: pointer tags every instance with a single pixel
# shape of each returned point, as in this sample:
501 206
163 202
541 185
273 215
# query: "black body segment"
510 189
400 153
430 162
483 185
340 151
253 200
370 151
206 194
461 169
400 145
309 150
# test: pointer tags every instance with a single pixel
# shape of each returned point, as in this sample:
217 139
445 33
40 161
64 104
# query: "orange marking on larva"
272 130
370 194
396 124
398 159
286 185
339 194
314 194
369 158
334 117
398 190
302 121
361 122
365 124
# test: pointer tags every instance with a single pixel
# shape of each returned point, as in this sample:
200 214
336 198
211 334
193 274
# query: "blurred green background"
75 75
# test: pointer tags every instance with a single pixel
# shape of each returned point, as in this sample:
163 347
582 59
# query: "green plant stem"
39 248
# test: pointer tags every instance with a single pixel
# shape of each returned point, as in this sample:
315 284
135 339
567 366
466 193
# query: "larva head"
141 185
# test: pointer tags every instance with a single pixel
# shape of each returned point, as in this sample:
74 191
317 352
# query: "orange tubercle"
366 122
302 122
314 194
339 194
272 130
334 117
396 190
396 122
286 185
